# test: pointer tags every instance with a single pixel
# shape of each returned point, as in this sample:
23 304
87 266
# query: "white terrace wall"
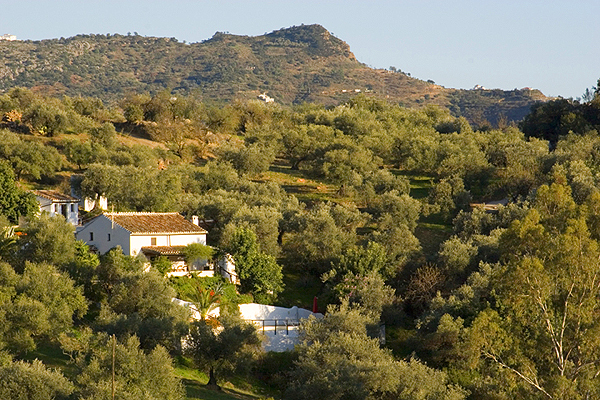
279 325
181 239
254 311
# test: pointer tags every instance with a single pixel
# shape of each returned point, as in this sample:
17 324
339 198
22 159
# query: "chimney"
195 220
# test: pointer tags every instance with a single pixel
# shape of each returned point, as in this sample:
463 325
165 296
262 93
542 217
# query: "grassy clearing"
195 382
420 186
432 229
197 390
52 357
431 236
299 184
300 289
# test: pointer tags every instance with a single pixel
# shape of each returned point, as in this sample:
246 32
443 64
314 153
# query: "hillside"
293 65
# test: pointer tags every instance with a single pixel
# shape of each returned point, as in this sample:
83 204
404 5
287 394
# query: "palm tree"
7 241
206 300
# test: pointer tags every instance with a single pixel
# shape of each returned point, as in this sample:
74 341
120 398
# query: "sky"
550 45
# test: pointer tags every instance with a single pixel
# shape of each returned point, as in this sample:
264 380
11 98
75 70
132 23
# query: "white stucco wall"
227 266
279 336
138 241
184 240
88 204
45 204
279 325
73 213
101 227
254 311
130 243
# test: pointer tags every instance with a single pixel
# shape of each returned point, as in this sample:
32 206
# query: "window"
153 241
109 237
91 235
73 208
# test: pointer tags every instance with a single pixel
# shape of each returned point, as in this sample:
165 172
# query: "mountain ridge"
303 63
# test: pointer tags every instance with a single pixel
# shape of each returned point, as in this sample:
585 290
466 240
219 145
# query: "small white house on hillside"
135 231
56 203
155 235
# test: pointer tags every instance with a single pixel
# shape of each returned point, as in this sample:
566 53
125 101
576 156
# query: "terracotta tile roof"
163 250
55 196
154 222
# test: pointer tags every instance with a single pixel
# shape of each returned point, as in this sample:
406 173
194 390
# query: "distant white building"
265 98
8 37
88 204
56 203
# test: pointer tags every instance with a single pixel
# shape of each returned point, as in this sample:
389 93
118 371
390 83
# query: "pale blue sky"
549 45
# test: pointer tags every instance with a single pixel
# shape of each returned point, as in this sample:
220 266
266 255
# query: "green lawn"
196 389
431 236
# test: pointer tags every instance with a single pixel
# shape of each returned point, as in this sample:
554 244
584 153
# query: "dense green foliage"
339 361
137 374
14 202
560 117
259 273
37 305
367 203
23 381
221 351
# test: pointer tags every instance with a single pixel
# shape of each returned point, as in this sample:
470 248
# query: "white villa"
153 235
56 203
136 230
